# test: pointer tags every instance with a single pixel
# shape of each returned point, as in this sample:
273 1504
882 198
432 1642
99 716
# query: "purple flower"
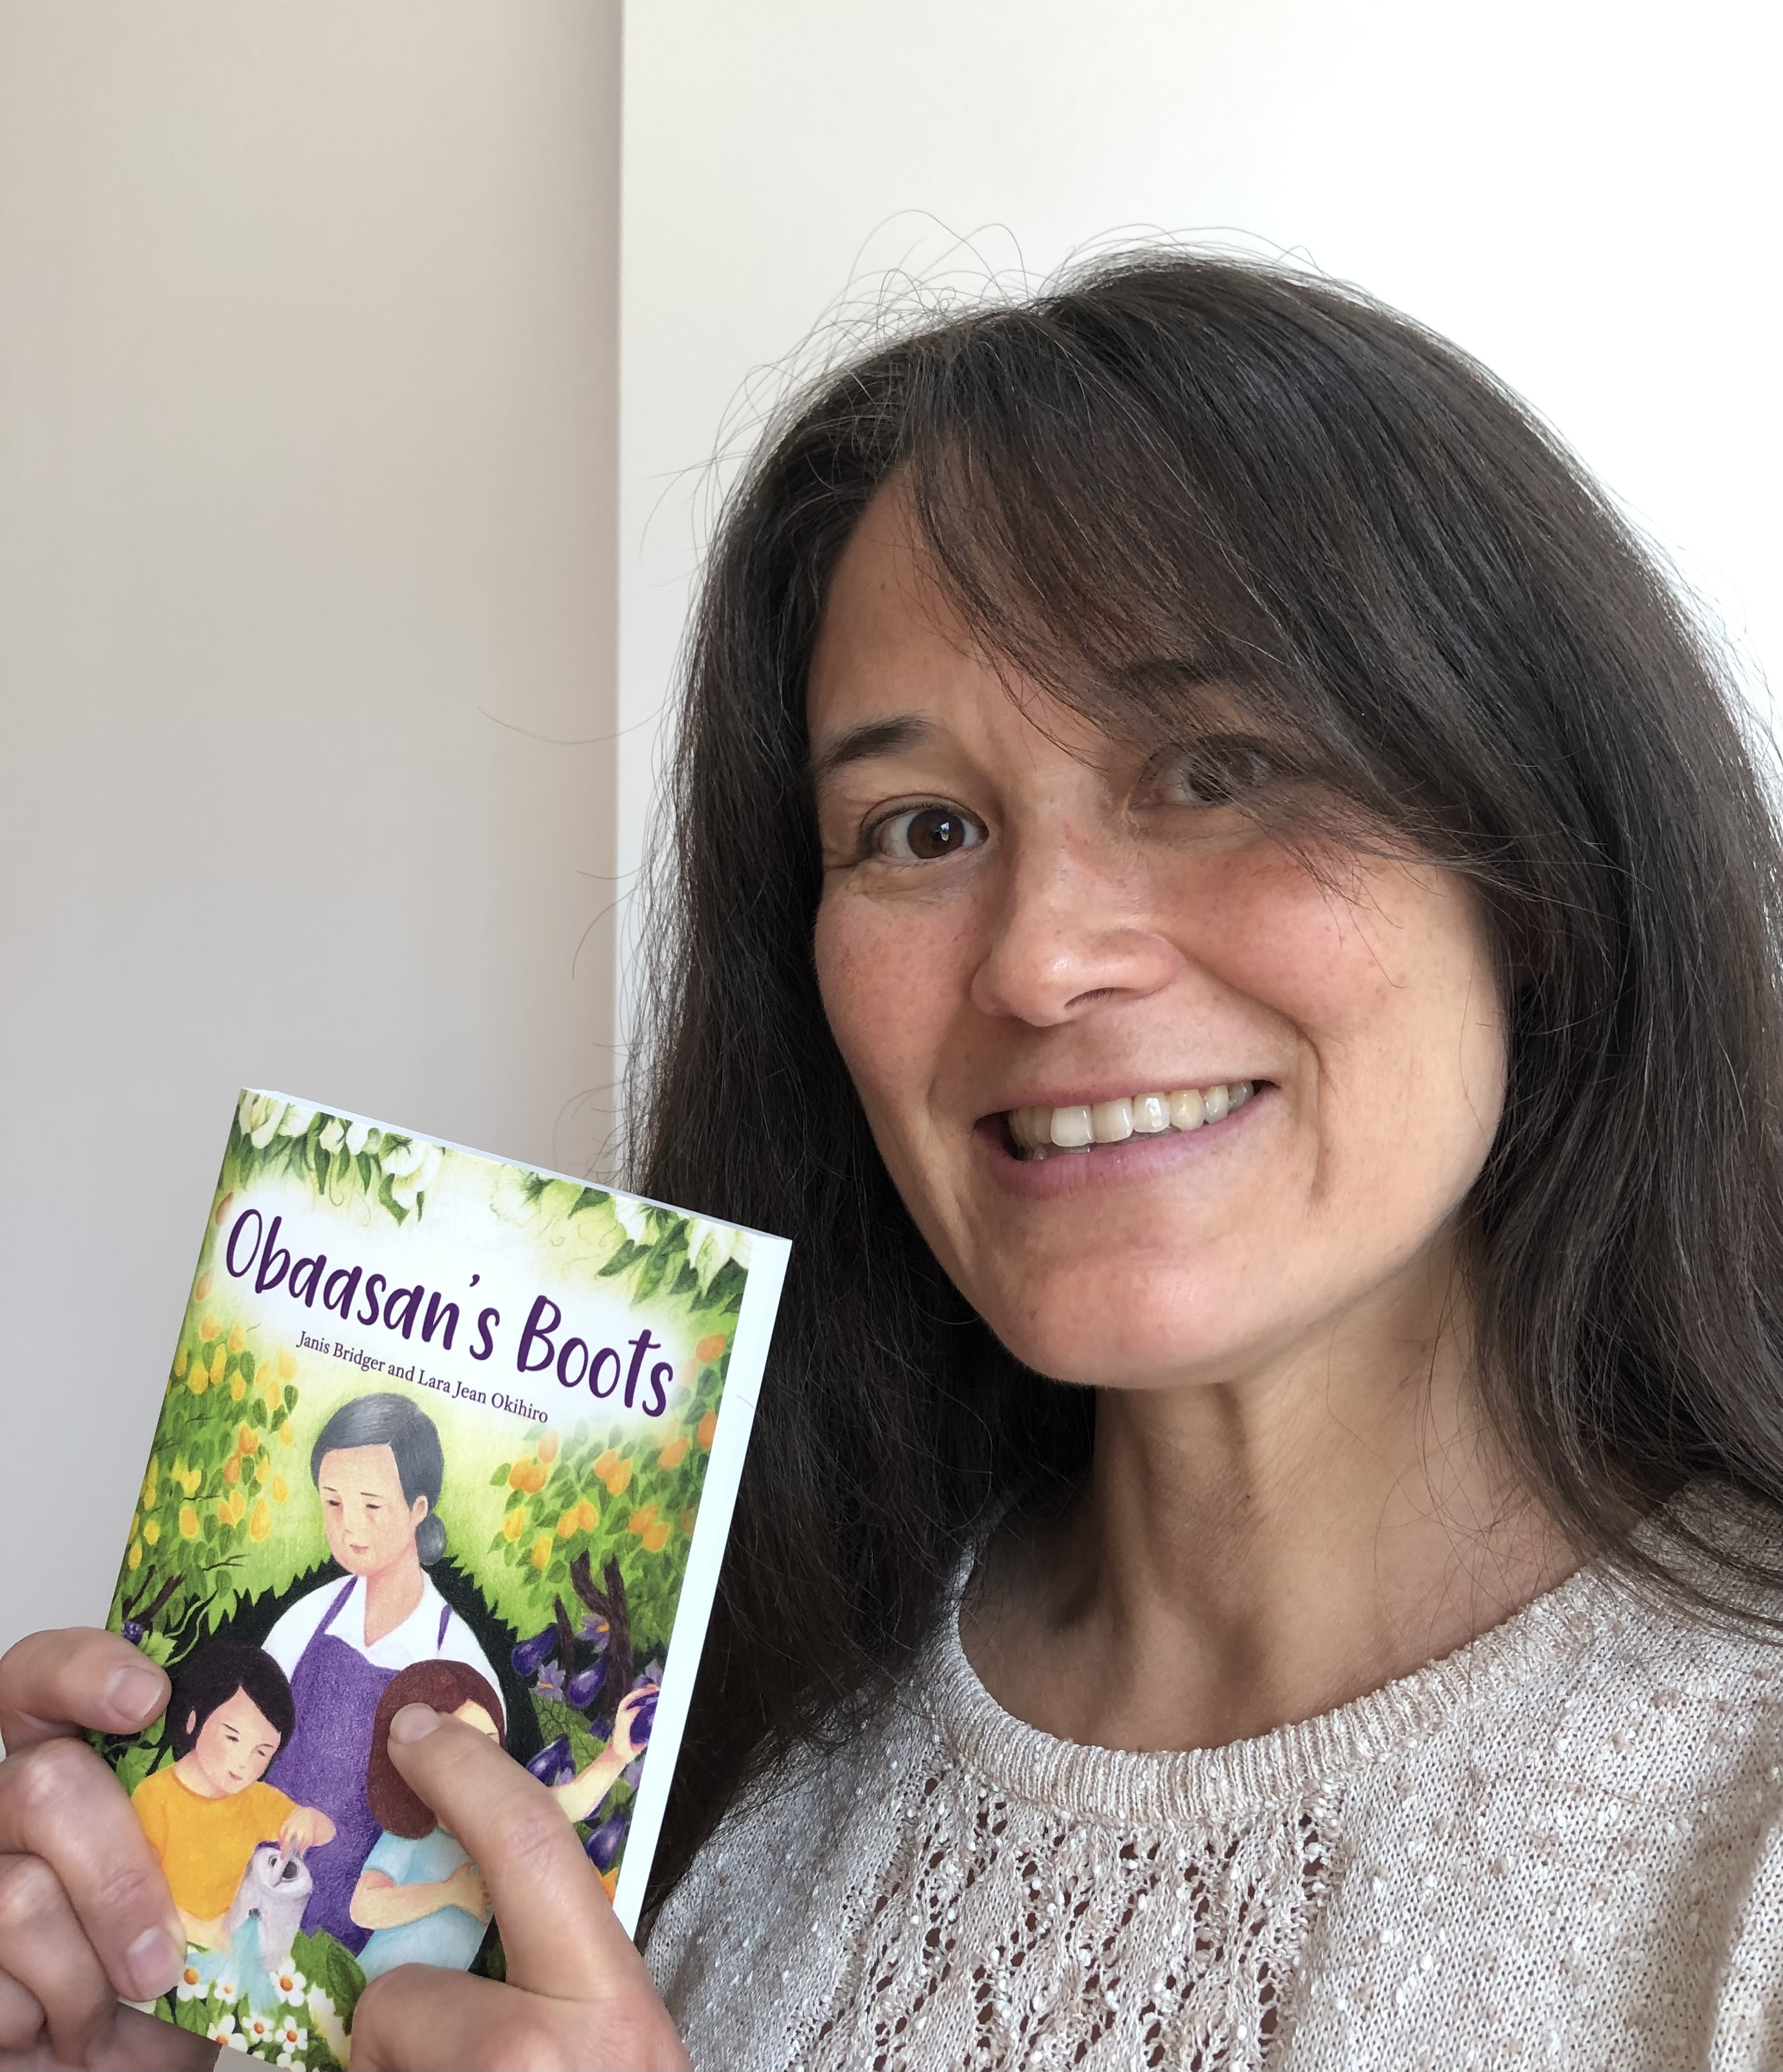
550 1681
593 1628
134 1631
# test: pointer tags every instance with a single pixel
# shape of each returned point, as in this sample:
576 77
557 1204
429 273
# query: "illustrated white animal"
276 1887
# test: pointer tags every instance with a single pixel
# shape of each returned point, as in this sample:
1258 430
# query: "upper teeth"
1039 1130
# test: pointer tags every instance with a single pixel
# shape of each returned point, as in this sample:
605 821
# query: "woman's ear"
419 1510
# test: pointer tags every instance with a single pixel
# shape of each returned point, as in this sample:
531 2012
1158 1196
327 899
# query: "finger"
21 2017
415 2017
58 1683
42 1948
60 1803
558 1928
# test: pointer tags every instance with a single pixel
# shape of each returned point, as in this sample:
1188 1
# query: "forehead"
359 1467
239 1710
893 654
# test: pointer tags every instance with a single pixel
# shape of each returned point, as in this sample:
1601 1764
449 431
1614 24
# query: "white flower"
323 2017
222 2030
246 1109
259 2028
290 1983
193 1984
298 1119
288 2033
402 1157
225 1987
634 1218
260 1116
334 1133
419 1179
287 2058
359 1135
711 1245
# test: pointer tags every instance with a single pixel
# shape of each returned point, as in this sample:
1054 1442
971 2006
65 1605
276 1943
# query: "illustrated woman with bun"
377 1468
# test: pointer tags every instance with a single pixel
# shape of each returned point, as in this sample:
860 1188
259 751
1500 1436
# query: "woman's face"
1031 916
368 1522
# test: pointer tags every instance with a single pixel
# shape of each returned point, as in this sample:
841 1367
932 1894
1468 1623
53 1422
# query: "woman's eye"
1216 772
924 834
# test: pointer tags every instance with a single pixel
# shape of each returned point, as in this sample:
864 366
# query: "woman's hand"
86 1919
578 1995
306 1827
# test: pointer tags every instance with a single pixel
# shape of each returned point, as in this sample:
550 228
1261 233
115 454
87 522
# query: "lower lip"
1134 1161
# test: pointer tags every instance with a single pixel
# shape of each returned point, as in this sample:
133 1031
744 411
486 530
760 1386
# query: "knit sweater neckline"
1130 1789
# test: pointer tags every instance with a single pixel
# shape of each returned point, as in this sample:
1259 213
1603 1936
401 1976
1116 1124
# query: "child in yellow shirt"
206 1812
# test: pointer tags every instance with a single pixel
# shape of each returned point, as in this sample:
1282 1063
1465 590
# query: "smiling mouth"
1044 1132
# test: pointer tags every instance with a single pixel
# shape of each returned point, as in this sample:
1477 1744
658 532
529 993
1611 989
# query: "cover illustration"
437 1428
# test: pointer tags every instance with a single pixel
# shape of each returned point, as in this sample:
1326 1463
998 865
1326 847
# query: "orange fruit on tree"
208 1328
710 1348
541 1550
566 1524
247 1439
587 1517
547 1447
642 1519
518 1474
204 1287
674 1453
708 1425
655 1537
260 1526
688 1518
231 1468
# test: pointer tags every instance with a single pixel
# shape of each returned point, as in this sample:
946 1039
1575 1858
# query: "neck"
1258 1549
186 1769
391 1596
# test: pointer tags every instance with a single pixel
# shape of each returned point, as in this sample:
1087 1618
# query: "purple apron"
335 1692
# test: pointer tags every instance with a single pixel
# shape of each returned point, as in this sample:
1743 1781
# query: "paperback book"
437 1428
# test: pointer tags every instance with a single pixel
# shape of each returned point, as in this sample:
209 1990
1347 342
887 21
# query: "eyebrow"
878 737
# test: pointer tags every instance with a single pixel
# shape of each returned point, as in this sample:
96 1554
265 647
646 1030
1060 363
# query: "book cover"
436 1428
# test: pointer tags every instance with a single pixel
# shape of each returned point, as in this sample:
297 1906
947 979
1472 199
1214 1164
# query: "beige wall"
307 404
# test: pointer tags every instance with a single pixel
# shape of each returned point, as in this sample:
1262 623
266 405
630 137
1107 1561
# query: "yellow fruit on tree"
708 1425
222 1211
262 1467
541 1550
687 1520
655 1537
287 1436
207 1329
247 1439
179 1364
188 1522
219 1360
548 1446
134 1559
587 1517
281 1489
567 1524
151 1532
673 1454
238 1338
287 1365
204 1286
200 1378
261 1524
237 1389
712 1348
515 1522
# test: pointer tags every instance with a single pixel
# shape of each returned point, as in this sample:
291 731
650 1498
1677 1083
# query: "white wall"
307 367
1586 195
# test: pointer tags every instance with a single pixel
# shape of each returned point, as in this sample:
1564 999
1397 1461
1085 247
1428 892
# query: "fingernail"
137 1690
413 1723
153 1961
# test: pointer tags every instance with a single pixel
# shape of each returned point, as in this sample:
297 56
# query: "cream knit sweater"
1561 1847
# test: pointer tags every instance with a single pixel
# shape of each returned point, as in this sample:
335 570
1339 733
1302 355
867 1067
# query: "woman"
377 1468
1224 906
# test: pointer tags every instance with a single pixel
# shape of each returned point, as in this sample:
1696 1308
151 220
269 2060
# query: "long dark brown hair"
1174 471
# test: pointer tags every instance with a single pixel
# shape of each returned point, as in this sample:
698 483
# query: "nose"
1074 929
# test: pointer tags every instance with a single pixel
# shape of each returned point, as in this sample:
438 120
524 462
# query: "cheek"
891 984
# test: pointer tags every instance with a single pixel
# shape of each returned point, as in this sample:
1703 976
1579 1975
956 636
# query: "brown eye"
1218 771
925 834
